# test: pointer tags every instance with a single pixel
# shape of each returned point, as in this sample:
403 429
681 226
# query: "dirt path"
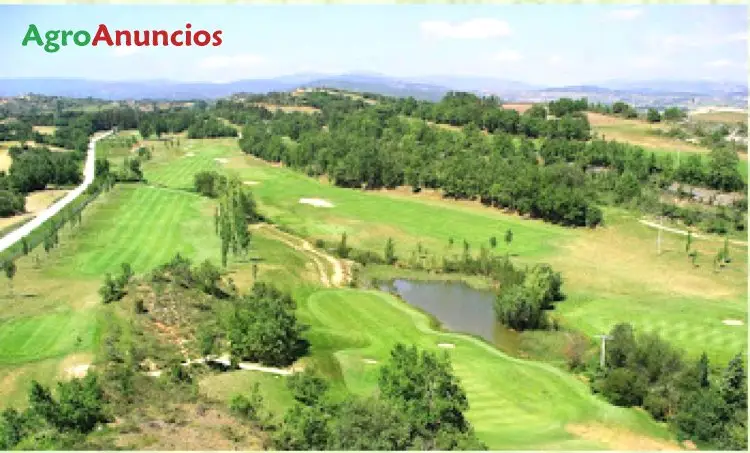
339 275
684 233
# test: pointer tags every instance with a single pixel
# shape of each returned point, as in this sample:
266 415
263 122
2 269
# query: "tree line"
560 180
643 370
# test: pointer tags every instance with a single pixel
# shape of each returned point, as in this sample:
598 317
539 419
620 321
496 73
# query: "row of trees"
644 370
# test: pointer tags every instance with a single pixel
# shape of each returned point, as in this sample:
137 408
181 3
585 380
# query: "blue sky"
538 44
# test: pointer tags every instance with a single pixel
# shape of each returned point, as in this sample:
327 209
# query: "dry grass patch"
289 108
35 203
520 107
619 439
608 260
76 365
48 130
193 427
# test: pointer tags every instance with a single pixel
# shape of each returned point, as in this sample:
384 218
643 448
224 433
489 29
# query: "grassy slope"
51 307
514 403
612 274
135 222
348 326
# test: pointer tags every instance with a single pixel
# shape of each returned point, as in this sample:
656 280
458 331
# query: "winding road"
88 177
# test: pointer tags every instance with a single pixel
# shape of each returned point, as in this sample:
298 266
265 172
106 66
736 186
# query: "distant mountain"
427 88
476 84
379 84
698 87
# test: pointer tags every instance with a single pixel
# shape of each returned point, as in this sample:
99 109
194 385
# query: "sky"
536 44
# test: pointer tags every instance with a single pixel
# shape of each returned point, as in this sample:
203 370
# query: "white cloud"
625 14
234 62
481 28
507 56
723 63
555 60
125 51
647 61
734 37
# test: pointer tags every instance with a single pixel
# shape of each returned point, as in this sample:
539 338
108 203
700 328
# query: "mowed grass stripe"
142 226
52 335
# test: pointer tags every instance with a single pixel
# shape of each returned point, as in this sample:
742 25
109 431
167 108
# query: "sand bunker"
189 154
251 183
317 202
78 371
733 322
446 345
370 361
221 160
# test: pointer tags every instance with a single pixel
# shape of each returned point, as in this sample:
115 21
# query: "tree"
519 308
9 267
621 347
689 241
390 254
703 370
734 384
342 250
368 425
262 327
508 237
422 387
623 387
674 114
307 387
653 116
493 241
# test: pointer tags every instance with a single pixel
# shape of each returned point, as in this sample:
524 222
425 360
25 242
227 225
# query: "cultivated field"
719 116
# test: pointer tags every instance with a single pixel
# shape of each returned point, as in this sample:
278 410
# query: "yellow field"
5 159
640 133
720 117
49 130
35 202
289 108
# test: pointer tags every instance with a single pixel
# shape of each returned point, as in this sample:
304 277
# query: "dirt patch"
251 183
189 154
5 160
76 366
289 108
732 322
317 202
619 439
446 345
192 427
520 108
370 361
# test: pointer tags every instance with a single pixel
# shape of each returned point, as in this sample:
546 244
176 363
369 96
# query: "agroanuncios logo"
54 39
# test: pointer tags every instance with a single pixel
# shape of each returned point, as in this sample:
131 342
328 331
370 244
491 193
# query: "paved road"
88 177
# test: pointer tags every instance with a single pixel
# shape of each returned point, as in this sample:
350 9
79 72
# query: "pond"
458 307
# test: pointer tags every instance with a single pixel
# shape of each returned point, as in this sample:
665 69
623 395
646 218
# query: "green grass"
515 404
142 226
611 274
44 336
